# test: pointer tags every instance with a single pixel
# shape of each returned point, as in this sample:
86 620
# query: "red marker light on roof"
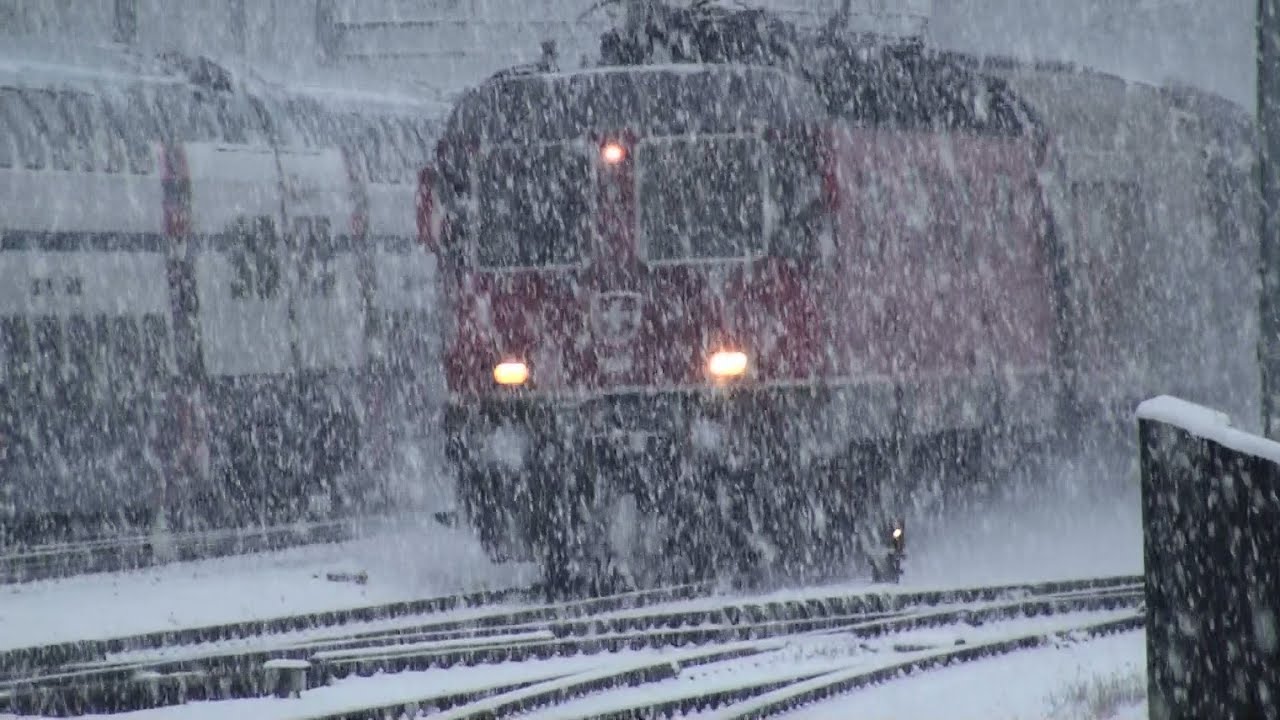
612 153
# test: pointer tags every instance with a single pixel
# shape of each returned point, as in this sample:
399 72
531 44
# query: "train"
735 296
214 310
728 301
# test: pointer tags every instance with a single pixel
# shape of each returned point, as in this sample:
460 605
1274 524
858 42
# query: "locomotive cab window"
700 198
534 206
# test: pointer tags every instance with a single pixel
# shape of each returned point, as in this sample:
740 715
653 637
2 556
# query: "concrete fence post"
1211 535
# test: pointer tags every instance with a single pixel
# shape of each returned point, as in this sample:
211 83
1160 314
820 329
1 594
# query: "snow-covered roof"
55 64
1207 423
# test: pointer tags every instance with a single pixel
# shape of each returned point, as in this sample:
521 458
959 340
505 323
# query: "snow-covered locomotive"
707 310
210 289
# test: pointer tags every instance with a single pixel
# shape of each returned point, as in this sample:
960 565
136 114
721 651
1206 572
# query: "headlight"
613 153
510 372
727 364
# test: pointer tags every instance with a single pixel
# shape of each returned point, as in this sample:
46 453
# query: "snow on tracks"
167 667
112 554
536 654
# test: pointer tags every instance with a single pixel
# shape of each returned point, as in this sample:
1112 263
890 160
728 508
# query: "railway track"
132 552
624 655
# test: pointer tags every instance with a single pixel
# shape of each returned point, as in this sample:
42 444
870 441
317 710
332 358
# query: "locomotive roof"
660 98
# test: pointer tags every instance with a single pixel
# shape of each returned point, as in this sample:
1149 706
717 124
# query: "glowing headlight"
510 372
727 364
613 153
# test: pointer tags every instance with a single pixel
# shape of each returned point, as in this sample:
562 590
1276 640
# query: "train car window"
18 380
48 347
126 354
102 355
51 126
155 343
534 206
114 153
188 117
22 126
202 118
309 122
254 254
395 151
233 120
290 126
315 247
373 146
15 347
700 198
81 366
402 150
8 153
428 132
416 149
143 127
4 359
79 119
380 153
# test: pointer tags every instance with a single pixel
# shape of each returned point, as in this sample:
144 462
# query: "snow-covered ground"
1060 533
1085 520
412 560
1087 681
1076 527
1075 681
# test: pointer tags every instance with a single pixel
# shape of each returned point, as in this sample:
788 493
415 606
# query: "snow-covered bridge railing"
1211 516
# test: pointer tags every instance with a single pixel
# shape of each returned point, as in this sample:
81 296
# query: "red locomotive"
701 312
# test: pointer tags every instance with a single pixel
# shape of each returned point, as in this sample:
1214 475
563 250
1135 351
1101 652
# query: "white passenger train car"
210 292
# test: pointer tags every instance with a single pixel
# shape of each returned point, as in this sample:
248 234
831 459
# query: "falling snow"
786 293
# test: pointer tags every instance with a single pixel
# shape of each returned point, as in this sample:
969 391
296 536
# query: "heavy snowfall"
617 358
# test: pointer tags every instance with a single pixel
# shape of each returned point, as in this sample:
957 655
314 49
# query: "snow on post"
1211 526
286 677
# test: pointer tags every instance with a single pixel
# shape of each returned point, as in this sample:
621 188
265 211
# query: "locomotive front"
638 332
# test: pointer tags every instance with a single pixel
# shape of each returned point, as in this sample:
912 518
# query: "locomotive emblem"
616 316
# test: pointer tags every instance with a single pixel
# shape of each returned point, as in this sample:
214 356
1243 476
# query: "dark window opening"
315 251
253 247
797 186
22 125
534 206
79 121
114 151
142 128
308 120
15 349
126 357
234 121
155 347
126 21
81 383
700 198
51 126
188 115
8 150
